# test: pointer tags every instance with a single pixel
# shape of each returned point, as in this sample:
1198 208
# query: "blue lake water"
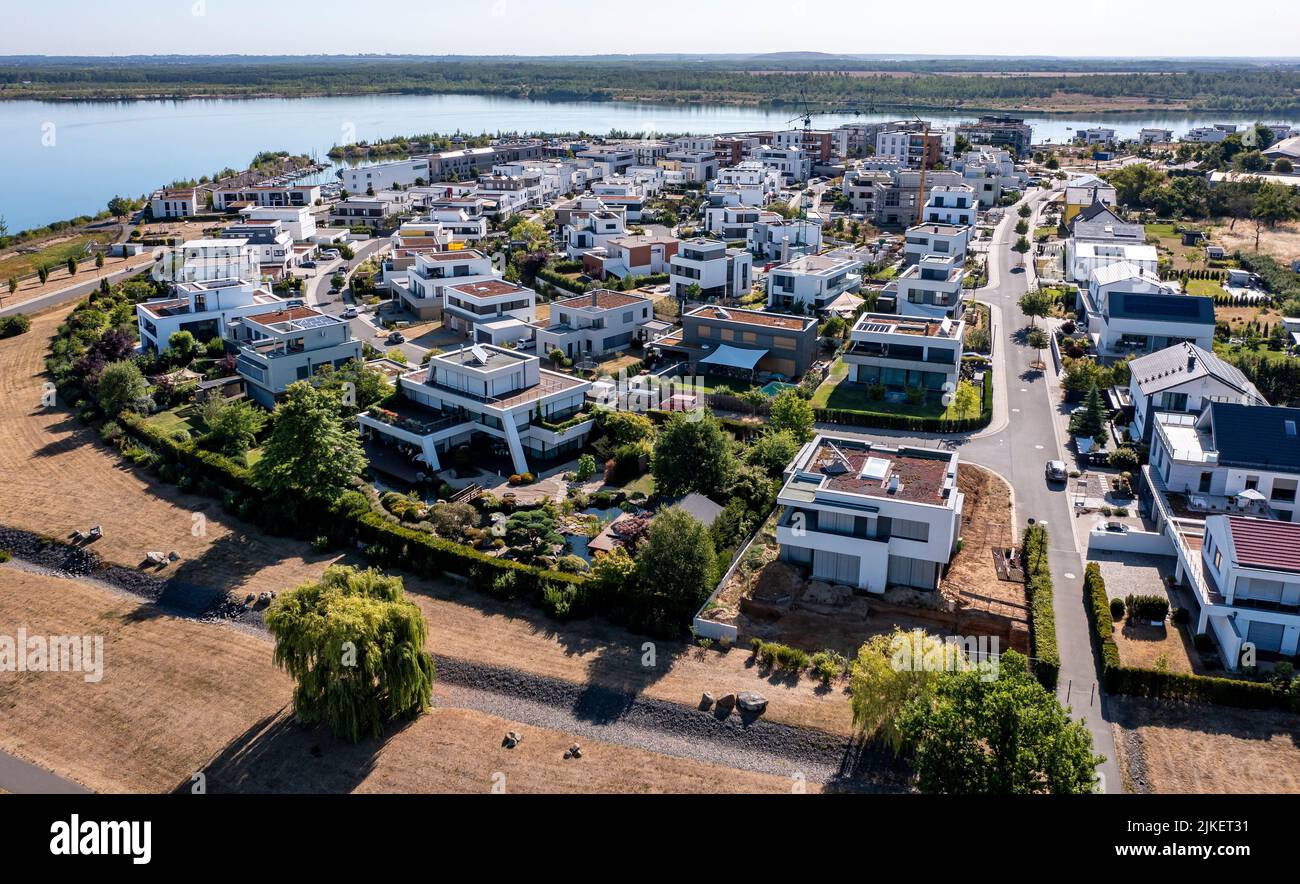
62 159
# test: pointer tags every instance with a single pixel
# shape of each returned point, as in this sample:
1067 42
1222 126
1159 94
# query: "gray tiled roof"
1169 367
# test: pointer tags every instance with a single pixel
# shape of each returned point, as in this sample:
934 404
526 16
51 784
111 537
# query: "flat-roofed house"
903 353
812 282
732 341
290 344
868 516
594 324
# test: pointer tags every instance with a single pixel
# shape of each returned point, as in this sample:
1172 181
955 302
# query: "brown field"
1282 241
179 696
1167 747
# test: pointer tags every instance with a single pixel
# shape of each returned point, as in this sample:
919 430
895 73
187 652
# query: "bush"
1147 607
12 326
829 665
5 556
1038 578
1116 609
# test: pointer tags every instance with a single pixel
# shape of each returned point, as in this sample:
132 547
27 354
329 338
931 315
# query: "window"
910 530
1252 482
1218 560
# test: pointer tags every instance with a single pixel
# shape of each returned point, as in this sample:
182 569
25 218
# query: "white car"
349 313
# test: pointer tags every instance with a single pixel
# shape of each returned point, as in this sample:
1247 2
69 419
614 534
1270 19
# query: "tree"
532 532
1274 203
354 646
1005 735
120 386
1091 422
1036 303
119 206
586 467
13 284
966 399
1283 166
72 267
182 347
1021 246
42 273
676 565
773 451
310 452
1037 338
1133 180
624 427
232 427
791 412
1024 211
1022 227
691 455
357 386
881 688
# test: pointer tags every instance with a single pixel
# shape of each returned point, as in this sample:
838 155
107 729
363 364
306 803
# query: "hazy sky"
546 27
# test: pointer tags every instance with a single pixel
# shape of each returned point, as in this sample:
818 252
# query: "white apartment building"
386 176
695 166
202 308
299 221
910 142
423 287
268 241
1155 136
213 258
1097 135
735 222
812 282
1205 135
611 159
930 289
951 204
174 202
478 394
720 272
490 311
940 240
279 347
791 162
1183 379
903 353
593 228
266 196
870 517
1129 311
593 324
778 239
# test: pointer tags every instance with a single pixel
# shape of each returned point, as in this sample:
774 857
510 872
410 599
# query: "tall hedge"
1042 611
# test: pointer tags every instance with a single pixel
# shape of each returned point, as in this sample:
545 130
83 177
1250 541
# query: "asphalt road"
19 777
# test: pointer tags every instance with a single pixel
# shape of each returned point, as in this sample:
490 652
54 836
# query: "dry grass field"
179 696
1206 749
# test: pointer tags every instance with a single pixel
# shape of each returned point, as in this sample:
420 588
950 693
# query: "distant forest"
788 79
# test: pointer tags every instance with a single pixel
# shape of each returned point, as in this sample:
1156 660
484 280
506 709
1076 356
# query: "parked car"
349 313
1056 471
308 263
295 302
332 254
396 337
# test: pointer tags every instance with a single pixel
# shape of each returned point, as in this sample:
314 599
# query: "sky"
1143 28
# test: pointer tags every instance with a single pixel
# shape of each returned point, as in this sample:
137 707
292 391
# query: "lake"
67 159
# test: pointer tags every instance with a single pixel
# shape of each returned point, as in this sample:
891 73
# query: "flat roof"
892 323
602 299
853 466
488 288
753 317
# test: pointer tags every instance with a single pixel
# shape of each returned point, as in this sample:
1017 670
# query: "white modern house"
903 353
386 175
720 272
268 241
951 204
930 289
482 392
936 240
174 202
489 311
227 199
1094 244
373 212
298 220
870 517
641 254
1128 311
423 286
593 324
791 162
290 344
1097 135
778 239
812 282
1183 379
214 258
591 226
736 222
202 308
1152 135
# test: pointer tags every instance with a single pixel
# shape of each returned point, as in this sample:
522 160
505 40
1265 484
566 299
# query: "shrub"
1038 580
828 665
1117 609
5 556
12 326
1147 607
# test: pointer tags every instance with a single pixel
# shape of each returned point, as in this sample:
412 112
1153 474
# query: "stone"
575 751
726 701
822 593
752 701
706 701
250 598
512 739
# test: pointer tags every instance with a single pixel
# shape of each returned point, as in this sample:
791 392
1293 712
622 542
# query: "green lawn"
1225 351
182 417
645 484
1207 287
839 393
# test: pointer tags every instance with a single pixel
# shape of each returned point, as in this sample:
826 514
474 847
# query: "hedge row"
205 464
1042 612
1179 686
912 423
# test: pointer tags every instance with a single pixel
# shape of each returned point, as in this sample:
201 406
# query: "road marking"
1039 447
1069 576
1016 410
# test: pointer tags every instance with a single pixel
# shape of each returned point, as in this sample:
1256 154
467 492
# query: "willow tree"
890 672
355 648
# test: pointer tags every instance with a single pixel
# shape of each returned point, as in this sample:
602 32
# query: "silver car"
1056 471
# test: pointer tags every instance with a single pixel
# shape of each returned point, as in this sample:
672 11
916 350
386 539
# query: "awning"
734 357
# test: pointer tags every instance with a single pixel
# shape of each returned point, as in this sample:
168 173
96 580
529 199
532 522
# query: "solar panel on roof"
1169 305
480 355
315 322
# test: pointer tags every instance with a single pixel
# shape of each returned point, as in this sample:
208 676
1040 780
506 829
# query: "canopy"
1251 494
734 357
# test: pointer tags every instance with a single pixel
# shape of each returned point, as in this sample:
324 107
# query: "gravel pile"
66 560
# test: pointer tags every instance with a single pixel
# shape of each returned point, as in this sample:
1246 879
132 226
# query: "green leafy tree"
1035 303
1006 735
1091 422
883 682
120 386
1024 211
42 273
1037 338
357 386
99 260
232 427
966 398
533 532
625 427
792 413
182 347
310 452
354 646
676 565
72 266
1274 203
1021 246
613 574
691 455
773 451
1022 227
586 467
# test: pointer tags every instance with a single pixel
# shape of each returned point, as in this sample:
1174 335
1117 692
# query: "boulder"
575 751
512 739
706 701
726 701
751 701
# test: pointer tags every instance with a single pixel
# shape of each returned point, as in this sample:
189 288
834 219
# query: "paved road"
19 777
72 293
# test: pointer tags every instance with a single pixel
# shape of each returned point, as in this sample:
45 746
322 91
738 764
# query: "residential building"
592 228
1082 192
951 204
299 221
870 517
429 272
482 393
633 255
1096 135
613 159
594 324
812 282
775 238
1155 136
791 162
930 289
1013 133
1129 311
290 344
818 144
914 143
735 222
1205 135
464 164
1099 243
1286 149
941 240
232 199
379 211
1183 379
694 165
174 202
386 176
904 353
270 243
732 341
213 258
720 272
491 311
203 308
